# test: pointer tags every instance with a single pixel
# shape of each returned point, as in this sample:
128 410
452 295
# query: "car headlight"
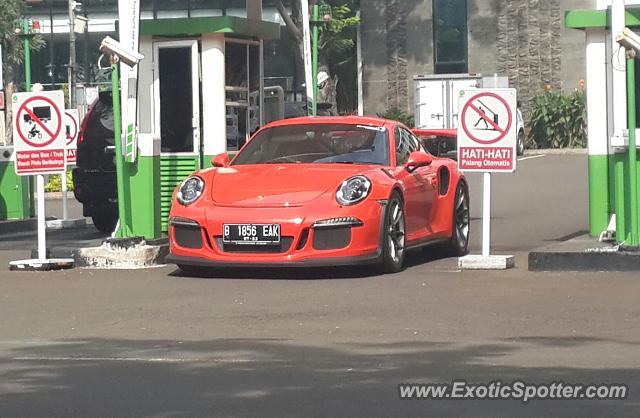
353 190
190 190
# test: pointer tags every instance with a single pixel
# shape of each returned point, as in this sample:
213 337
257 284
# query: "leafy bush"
398 114
558 120
55 183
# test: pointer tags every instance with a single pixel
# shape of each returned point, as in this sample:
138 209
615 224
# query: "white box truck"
436 100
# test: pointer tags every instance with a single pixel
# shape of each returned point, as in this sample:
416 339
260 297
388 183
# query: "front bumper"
314 262
195 236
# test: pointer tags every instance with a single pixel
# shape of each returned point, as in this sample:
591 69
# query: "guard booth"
14 199
200 93
609 107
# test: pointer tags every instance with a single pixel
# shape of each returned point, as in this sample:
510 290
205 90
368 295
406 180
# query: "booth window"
242 86
176 112
450 36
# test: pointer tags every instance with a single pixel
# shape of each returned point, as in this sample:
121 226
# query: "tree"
13 52
336 49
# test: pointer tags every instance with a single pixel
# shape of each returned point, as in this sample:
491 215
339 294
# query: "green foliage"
337 49
558 120
12 44
400 115
55 183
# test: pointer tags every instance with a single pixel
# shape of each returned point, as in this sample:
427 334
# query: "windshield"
317 143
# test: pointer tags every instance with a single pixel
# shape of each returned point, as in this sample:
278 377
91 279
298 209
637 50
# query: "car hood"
277 185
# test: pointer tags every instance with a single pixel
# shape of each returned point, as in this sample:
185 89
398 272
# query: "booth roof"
584 19
201 25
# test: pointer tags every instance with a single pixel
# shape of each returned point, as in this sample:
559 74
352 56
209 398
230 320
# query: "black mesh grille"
331 238
188 236
283 247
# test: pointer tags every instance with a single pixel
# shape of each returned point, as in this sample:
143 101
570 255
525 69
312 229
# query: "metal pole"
314 70
359 64
304 5
486 215
72 55
42 226
27 54
123 230
634 239
27 87
65 205
51 49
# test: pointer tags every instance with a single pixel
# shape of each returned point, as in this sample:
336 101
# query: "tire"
458 245
104 219
393 236
520 143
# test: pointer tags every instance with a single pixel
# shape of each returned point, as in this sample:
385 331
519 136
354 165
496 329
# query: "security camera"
629 39
110 45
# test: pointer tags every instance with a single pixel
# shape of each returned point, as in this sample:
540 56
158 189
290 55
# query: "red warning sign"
38 134
486 133
72 125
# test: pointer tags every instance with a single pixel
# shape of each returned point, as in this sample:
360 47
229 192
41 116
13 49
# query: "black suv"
94 177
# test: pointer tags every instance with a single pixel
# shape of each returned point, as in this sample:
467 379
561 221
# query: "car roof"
451 133
328 120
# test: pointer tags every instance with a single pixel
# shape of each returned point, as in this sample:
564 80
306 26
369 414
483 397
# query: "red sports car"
320 192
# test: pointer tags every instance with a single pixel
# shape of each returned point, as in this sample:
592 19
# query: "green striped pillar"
144 189
600 181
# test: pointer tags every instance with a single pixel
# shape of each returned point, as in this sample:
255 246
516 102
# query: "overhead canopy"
201 25
583 19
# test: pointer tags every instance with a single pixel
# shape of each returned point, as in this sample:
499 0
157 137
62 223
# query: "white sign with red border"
72 127
487 130
38 132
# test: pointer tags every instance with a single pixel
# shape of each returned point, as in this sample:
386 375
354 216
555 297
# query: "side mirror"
220 160
418 159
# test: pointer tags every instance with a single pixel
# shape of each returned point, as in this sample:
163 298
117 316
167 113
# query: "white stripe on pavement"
530 157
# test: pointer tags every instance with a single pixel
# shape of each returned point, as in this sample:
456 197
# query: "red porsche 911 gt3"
320 192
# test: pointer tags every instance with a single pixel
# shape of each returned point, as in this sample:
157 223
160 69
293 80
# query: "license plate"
254 234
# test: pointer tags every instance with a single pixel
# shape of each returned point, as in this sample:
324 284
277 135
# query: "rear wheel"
104 219
459 242
393 236
520 144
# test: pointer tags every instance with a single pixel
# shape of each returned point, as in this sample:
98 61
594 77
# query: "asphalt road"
327 343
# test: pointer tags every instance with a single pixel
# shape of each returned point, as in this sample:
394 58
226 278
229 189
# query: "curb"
556 151
584 253
17 226
584 261
55 195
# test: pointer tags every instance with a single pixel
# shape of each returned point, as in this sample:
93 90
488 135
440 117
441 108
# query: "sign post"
71 130
39 143
487 140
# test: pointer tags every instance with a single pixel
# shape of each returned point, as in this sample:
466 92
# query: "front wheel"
393 236
459 243
105 219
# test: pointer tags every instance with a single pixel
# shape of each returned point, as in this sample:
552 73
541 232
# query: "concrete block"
492 262
126 254
42 265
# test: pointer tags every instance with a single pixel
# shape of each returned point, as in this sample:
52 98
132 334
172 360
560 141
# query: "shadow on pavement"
413 258
277 378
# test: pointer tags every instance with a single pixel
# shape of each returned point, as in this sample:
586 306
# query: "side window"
406 143
417 142
402 147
